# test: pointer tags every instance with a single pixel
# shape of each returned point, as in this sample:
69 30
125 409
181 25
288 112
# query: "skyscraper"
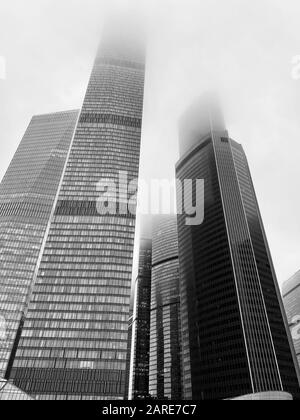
74 340
9 392
27 194
235 335
141 322
291 300
165 353
127 394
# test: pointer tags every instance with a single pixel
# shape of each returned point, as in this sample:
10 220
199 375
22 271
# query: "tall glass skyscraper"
74 340
291 300
235 335
27 194
141 322
165 350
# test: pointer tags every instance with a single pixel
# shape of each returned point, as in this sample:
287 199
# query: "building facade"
9 392
27 194
234 331
165 350
74 341
291 300
266 396
141 322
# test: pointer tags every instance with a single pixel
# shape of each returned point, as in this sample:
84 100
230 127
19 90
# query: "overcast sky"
243 48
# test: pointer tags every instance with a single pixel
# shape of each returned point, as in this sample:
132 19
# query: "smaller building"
291 300
156 356
141 322
9 392
165 339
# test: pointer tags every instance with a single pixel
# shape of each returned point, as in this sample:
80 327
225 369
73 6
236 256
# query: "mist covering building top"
204 116
124 39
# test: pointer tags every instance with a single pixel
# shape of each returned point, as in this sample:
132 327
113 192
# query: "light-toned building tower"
27 195
291 300
165 349
75 338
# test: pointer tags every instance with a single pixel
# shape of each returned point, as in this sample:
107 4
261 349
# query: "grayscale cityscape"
138 265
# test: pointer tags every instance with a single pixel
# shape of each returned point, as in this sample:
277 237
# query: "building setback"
235 335
291 300
165 351
27 195
74 340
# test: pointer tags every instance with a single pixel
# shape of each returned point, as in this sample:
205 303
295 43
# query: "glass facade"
127 394
165 354
291 300
74 340
9 392
27 194
234 334
141 323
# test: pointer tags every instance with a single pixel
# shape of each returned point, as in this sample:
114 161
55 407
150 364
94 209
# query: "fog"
241 48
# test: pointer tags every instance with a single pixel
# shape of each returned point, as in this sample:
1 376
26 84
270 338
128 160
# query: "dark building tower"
27 194
291 300
74 341
165 356
235 335
141 322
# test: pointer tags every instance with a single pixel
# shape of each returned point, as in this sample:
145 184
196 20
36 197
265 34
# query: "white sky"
243 48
